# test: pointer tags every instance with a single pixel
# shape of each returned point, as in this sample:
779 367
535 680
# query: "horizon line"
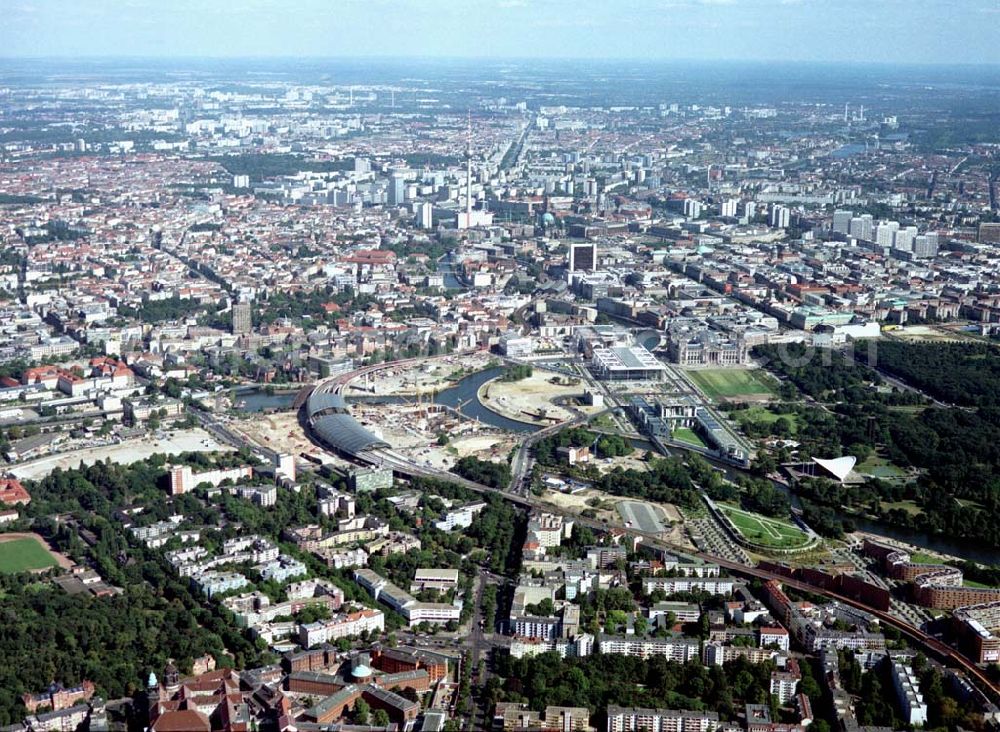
446 58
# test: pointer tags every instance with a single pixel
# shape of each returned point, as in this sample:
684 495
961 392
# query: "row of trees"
597 681
517 372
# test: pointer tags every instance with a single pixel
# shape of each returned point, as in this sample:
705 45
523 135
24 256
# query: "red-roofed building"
47 375
208 701
12 492
182 720
120 374
371 257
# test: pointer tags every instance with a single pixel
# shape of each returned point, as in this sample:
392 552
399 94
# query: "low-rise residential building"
630 719
677 648
217 583
346 625
907 687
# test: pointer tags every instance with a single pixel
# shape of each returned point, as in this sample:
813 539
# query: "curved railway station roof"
320 401
334 425
343 432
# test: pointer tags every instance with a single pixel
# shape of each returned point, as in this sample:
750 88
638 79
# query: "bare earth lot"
129 451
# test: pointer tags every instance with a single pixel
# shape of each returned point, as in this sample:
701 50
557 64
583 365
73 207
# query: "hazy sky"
910 31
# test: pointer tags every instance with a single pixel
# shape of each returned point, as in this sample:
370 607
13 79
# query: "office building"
904 238
989 233
582 257
862 227
397 189
242 318
692 208
885 233
627 363
842 221
425 215
370 479
925 246
781 217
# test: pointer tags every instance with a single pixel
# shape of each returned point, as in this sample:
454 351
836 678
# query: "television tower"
468 175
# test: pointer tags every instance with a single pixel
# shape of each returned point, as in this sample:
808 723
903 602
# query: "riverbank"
530 400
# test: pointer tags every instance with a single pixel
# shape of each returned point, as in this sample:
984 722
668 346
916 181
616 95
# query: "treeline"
517 373
677 480
265 165
597 681
966 374
605 446
498 530
487 472
158 311
10 198
113 641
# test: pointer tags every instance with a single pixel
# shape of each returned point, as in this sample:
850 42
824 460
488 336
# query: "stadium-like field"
24 555
731 383
764 531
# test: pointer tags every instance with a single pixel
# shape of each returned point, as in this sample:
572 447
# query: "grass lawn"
921 558
686 434
730 383
24 555
879 467
909 506
973 583
765 531
761 415
603 422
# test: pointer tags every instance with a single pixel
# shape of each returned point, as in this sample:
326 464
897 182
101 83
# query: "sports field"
24 554
721 384
764 531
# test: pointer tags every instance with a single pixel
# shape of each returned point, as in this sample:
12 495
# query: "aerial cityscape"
490 392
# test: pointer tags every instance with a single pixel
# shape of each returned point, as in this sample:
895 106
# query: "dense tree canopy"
956 449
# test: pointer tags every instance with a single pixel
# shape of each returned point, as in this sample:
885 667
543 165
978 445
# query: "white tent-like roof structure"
839 468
